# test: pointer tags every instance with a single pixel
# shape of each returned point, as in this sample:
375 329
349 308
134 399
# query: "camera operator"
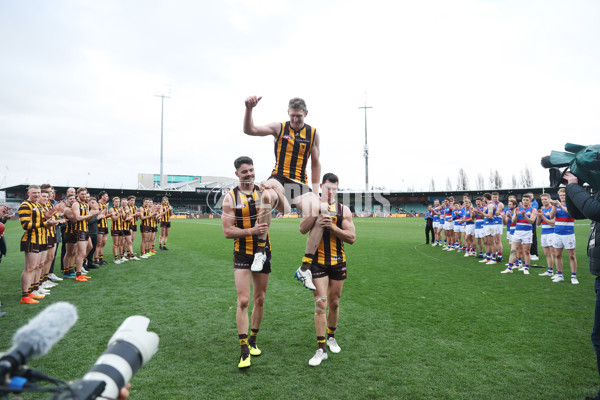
583 206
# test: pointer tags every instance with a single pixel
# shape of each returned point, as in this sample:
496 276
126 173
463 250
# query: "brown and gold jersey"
148 221
331 249
31 215
246 213
167 213
292 150
133 212
84 209
70 228
102 222
117 221
51 230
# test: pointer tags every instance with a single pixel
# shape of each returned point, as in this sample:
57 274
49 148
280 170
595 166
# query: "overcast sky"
479 85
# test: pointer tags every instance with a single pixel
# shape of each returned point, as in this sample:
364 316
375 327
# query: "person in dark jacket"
582 205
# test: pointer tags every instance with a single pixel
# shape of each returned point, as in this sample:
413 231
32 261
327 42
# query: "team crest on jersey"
287 137
241 206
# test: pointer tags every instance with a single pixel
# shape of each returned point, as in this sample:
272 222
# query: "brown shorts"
116 233
33 247
291 187
335 273
134 228
244 261
165 224
154 229
51 241
82 236
102 231
126 232
70 237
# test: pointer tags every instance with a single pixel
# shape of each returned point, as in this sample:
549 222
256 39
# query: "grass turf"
415 322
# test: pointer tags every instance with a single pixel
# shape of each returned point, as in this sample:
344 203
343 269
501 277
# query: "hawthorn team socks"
262 245
331 331
244 343
307 261
252 340
321 343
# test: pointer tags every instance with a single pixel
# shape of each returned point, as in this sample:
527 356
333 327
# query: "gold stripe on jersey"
292 150
245 218
331 249
167 214
148 221
70 225
51 230
117 223
31 216
102 222
133 210
82 226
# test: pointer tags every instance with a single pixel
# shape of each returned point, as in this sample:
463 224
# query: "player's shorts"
547 239
126 232
292 189
335 273
82 236
449 225
470 229
459 228
29 247
498 229
244 261
103 231
51 241
146 229
488 230
116 232
436 225
564 241
165 224
70 237
133 228
524 237
479 233
154 229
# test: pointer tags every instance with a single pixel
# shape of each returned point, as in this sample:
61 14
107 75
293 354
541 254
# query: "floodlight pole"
162 108
366 148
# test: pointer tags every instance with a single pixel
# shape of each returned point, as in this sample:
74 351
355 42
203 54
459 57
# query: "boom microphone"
37 337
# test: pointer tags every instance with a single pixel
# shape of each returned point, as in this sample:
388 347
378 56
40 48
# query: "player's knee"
334 303
243 302
320 305
259 300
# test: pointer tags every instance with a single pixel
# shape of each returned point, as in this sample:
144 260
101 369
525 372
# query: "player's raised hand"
252 101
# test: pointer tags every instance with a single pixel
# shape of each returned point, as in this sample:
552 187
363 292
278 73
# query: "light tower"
366 148
162 108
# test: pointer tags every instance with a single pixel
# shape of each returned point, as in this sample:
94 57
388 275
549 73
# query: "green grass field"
415 322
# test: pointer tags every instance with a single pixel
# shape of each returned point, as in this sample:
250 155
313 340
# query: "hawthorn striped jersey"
102 222
133 212
331 248
167 213
246 214
117 222
292 150
31 216
82 226
70 228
